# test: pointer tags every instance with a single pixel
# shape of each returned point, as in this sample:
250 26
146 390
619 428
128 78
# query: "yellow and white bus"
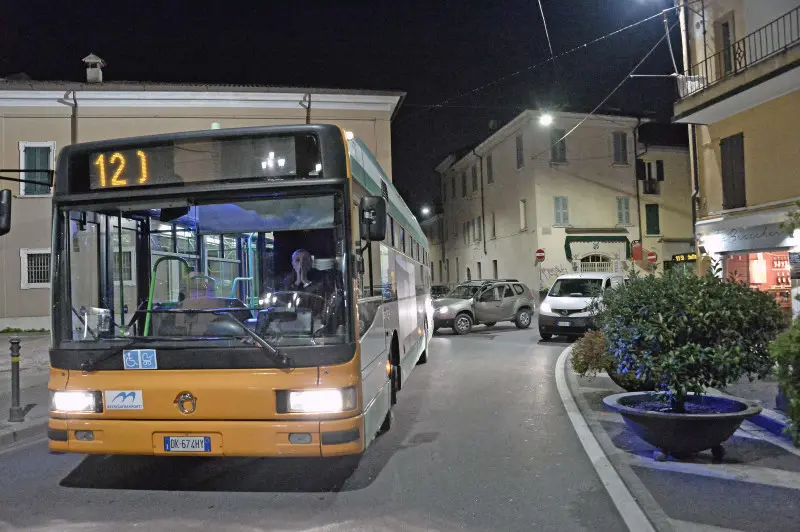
241 292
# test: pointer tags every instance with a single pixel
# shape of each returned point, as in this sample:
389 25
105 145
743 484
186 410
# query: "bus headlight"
73 401
321 401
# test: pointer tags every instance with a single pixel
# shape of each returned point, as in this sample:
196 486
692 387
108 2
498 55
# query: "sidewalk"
34 397
756 486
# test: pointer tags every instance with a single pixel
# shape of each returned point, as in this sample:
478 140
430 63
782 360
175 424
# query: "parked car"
485 302
565 310
438 291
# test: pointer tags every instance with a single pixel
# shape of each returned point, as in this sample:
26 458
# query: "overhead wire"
610 94
535 66
547 33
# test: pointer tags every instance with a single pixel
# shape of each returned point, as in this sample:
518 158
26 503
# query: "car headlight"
74 401
545 307
321 401
442 310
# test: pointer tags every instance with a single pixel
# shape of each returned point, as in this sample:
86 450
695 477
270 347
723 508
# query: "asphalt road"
480 442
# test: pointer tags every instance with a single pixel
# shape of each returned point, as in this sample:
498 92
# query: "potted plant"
590 355
685 333
786 351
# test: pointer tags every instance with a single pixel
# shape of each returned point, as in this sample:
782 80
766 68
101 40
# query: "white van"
565 309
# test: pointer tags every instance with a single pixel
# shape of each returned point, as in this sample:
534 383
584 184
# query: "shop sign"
768 236
685 257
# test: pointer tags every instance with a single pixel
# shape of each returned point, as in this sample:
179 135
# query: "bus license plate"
187 444
564 324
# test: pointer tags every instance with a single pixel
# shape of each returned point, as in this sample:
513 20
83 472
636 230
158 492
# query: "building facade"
523 189
741 98
38 118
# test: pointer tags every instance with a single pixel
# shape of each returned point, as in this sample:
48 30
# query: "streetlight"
426 210
545 119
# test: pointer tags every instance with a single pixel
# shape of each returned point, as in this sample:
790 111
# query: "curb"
27 430
770 420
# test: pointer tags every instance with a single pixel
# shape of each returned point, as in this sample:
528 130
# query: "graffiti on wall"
550 274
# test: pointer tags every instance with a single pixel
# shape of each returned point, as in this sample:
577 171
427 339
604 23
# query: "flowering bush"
685 333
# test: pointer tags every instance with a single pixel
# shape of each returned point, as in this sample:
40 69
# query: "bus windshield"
197 269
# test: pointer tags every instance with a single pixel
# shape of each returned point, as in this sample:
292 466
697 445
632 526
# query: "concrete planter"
682 435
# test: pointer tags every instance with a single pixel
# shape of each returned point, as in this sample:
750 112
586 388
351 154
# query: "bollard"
15 413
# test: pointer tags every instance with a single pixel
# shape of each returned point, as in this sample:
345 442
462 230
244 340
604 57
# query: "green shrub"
590 355
786 351
685 333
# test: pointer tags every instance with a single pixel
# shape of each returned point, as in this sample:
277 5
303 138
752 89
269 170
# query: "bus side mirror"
372 218
5 211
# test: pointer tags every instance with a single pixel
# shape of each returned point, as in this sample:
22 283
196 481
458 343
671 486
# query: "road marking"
22 445
629 509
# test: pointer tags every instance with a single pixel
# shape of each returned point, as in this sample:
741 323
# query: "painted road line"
741 473
629 509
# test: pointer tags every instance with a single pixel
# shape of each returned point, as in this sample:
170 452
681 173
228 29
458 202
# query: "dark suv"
485 302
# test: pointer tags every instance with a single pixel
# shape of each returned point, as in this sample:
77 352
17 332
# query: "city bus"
236 292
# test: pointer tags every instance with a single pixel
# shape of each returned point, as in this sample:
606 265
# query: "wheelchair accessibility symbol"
140 359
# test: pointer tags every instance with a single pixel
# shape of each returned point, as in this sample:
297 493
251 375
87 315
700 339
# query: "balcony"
761 66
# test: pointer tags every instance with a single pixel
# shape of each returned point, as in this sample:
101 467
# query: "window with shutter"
652 222
558 151
659 170
36 156
489 170
474 178
733 176
561 208
463 184
520 152
620 141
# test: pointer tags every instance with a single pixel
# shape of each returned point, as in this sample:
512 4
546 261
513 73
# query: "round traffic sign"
652 257
540 255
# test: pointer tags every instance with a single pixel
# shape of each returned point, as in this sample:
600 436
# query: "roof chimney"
94 68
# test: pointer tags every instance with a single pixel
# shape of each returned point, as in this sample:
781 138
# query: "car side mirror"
5 211
372 218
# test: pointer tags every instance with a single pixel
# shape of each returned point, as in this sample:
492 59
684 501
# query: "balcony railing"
774 38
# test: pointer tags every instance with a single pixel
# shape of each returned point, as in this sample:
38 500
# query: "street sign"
540 255
652 257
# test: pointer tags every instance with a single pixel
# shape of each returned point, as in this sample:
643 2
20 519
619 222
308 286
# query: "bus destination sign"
685 257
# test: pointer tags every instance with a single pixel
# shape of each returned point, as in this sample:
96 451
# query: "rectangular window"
453 186
558 150
520 153
127 266
36 156
523 215
651 217
494 269
659 170
623 210
733 178
390 227
489 170
464 232
480 273
494 227
444 190
458 272
441 277
479 228
447 268
35 268
474 178
620 147
463 184
403 239
561 210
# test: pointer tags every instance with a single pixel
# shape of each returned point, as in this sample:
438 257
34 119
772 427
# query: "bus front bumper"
227 438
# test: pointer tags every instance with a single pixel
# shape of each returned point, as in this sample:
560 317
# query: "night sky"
431 49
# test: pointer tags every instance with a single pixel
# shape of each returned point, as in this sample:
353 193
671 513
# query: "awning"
596 238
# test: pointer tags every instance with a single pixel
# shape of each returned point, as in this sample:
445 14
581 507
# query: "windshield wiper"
267 348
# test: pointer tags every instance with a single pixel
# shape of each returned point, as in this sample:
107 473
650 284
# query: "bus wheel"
387 422
423 358
394 378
